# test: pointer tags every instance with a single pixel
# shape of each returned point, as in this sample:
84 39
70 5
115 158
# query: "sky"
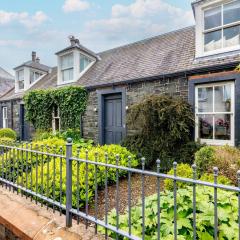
44 25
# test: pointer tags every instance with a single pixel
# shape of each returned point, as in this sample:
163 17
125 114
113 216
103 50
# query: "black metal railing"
52 177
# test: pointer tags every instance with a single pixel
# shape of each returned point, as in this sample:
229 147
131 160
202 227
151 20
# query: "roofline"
152 78
147 39
87 51
168 75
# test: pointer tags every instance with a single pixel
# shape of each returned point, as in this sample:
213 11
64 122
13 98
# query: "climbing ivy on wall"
71 101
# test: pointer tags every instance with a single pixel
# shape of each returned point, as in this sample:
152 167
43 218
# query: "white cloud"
75 5
23 18
138 20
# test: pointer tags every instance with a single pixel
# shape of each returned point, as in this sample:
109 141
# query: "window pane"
213 41
67 61
205 123
213 18
231 12
21 84
223 98
231 36
20 75
67 75
223 127
84 62
205 99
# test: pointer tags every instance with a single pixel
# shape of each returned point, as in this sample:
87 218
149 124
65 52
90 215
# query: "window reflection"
206 126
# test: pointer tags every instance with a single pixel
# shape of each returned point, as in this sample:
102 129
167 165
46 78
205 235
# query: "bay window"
222 27
67 67
215 113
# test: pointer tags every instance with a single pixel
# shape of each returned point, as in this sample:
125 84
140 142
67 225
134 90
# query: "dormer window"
20 79
29 73
74 61
217 27
222 26
67 67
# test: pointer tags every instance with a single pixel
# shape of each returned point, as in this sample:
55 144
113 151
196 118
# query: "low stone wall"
21 219
6 234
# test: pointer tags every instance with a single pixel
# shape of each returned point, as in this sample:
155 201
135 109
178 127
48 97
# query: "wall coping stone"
29 221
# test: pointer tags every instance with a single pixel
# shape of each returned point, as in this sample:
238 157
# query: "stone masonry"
134 93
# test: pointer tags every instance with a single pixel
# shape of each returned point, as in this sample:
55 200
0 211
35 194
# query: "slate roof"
6 81
166 54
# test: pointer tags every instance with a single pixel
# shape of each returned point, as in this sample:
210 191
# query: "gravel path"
150 188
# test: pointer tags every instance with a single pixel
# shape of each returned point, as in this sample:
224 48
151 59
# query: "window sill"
217 142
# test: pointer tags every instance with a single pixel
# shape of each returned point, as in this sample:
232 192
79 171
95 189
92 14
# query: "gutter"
168 75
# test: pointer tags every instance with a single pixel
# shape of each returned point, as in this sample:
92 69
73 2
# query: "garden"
161 128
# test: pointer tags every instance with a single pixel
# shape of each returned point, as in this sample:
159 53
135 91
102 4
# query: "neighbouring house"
196 63
6 81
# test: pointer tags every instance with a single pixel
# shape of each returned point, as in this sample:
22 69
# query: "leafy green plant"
227 217
71 101
238 68
204 159
160 126
52 172
74 134
8 133
226 158
183 170
207 177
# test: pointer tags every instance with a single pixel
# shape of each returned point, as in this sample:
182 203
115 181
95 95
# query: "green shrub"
226 158
227 220
8 133
186 153
12 167
183 170
111 150
75 135
6 140
207 177
204 158
160 126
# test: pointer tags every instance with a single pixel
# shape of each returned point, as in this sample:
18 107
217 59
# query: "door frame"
101 95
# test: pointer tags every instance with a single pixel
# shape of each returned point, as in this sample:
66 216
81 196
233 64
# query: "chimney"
72 40
34 55
37 60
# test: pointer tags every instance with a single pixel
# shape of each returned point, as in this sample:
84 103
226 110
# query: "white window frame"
20 80
62 69
34 73
5 117
219 28
230 142
200 30
54 118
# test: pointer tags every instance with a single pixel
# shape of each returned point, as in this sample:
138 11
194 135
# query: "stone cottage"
196 63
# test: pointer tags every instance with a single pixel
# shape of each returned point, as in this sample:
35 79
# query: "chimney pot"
38 60
72 40
34 55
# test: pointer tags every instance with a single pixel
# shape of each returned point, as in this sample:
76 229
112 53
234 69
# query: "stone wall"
134 93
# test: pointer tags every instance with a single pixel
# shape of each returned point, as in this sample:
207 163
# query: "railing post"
68 182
